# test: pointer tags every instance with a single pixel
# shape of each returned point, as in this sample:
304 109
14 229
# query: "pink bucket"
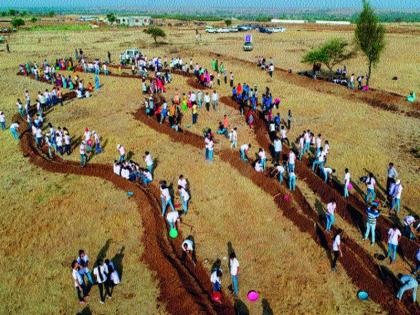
252 296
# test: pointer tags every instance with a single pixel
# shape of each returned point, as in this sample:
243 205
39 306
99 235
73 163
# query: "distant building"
333 22
88 18
288 21
134 20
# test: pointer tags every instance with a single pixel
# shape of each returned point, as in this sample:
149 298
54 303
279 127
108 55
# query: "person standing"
233 137
370 185
289 119
82 151
98 148
372 215
207 101
336 248
194 113
149 161
185 197
215 100
396 196
392 175
2 121
231 79
292 180
394 236
101 274
408 283
347 178
121 152
331 207
78 282
278 146
234 272
165 197
109 57
291 161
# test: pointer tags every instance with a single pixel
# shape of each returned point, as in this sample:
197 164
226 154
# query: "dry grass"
276 259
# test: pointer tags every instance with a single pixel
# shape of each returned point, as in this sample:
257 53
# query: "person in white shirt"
327 172
121 152
331 206
210 149
172 218
234 272
394 236
279 171
2 121
283 135
318 143
125 172
396 196
83 156
207 101
215 100
149 161
244 151
301 147
117 168
291 161
182 181
409 230
78 282
336 248
101 274
165 197
188 247
347 178
278 147
146 176
112 275
233 137
263 158
59 143
370 185
185 197
320 160
258 166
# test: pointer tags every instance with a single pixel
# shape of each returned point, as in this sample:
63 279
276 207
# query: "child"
149 161
262 158
98 148
336 248
82 151
347 178
78 282
291 161
331 206
14 130
173 218
121 152
185 197
233 137
83 262
244 151
327 172
165 197
279 171
292 180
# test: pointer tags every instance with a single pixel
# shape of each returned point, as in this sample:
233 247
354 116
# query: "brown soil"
184 289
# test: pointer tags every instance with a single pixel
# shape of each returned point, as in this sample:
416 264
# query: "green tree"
34 19
111 18
13 12
330 53
228 23
51 13
369 36
16 22
155 32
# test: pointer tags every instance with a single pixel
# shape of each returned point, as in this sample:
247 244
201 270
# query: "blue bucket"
362 295
130 193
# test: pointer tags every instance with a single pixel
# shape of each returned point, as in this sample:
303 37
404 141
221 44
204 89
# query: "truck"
129 55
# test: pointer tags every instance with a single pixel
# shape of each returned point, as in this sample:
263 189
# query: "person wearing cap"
121 152
396 191
83 154
408 283
188 247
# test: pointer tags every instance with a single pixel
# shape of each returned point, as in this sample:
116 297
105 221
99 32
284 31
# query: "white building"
333 22
134 20
88 18
287 21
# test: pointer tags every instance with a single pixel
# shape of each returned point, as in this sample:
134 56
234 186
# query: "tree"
369 36
51 13
34 19
155 32
13 12
228 23
330 54
111 18
16 22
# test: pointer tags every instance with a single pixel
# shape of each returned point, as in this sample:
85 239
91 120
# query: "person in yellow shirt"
194 113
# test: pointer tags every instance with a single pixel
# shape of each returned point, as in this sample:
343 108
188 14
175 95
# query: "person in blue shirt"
408 283
372 215
277 120
234 92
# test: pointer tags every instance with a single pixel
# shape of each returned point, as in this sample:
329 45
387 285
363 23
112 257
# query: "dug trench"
184 288
365 273
352 209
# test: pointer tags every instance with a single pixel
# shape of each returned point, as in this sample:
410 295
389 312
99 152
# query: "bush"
16 22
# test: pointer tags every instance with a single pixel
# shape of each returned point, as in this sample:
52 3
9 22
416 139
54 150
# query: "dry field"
48 217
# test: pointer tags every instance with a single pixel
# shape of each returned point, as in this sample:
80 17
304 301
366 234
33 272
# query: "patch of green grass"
54 28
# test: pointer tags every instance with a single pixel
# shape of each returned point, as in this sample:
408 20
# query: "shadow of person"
320 210
266 308
103 251
230 249
324 242
240 308
104 144
130 155
117 260
85 311
216 265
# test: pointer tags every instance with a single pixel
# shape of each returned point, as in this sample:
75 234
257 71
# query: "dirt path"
184 289
365 273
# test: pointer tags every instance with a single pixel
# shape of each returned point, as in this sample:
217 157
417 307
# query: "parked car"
278 29
128 55
210 30
248 46
265 30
